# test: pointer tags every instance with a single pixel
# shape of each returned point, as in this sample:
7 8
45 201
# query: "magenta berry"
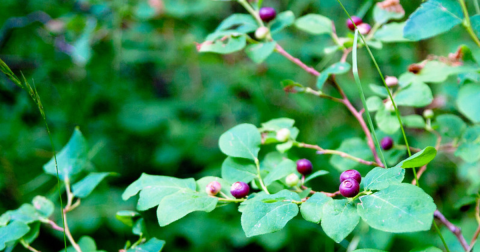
213 188
267 14
304 166
351 174
239 189
349 188
364 28
386 143
356 20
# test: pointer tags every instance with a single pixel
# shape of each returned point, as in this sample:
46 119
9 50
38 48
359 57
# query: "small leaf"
337 68
450 125
86 243
314 24
284 147
12 232
291 86
282 20
392 32
432 18
312 209
397 209
33 233
203 182
43 206
380 178
242 23
177 206
238 169
229 43
419 159
418 94
374 103
84 187
277 124
285 168
241 141
339 219
387 121
315 175
381 16
139 227
355 147
26 214
468 102
126 217
414 121
469 149
260 52
152 245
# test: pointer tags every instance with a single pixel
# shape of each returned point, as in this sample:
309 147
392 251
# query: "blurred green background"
128 74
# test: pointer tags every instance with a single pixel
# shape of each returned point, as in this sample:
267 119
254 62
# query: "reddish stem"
454 229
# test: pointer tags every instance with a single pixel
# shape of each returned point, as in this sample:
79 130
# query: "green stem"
257 163
441 236
360 194
467 23
231 200
249 8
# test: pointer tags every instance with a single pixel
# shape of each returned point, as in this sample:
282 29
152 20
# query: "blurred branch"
454 229
68 208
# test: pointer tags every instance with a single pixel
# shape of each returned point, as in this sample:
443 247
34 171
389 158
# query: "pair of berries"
266 14
363 28
238 189
350 183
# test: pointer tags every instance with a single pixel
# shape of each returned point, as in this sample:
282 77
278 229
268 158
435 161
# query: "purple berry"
349 188
351 174
364 28
304 166
213 188
267 14
356 20
386 143
239 189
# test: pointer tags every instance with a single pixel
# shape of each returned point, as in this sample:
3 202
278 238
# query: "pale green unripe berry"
391 81
262 33
292 180
213 188
389 105
428 114
283 135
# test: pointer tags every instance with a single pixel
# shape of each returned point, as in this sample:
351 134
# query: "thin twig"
310 70
68 208
54 225
454 229
477 233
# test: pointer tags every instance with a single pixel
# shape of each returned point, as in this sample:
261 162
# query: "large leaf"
450 125
285 168
337 68
355 147
152 245
419 159
176 206
71 159
312 209
468 102
269 213
13 231
282 20
432 18
397 209
314 24
84 187
418 94
469 149
155 188
238 169
339 219
260 52
241 141
229 43
380 178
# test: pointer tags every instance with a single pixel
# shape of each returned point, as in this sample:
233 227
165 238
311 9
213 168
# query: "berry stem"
252 12
231 200
467 23
257 163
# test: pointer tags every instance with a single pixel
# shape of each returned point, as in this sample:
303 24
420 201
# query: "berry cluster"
350 183
363 28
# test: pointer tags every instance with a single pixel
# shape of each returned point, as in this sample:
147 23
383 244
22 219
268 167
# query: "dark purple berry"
239 190
267 14
356 20
351 174
386 143
349 188
304 166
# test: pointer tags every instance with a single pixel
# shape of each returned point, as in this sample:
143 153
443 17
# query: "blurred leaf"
278 124
260 52
374 103
314 24
392 32
450 125
291 86
242 23
145 11
312 209
414 121
379 90
398 208
381 178
387 121
284 147
86 243
468 102
152 245
475 21
126 217
241 141
71 159
12 232
426 249
238 169
283 169
26 214
355 147
176 206
84 187
369 250
418 94
43 206
433 17
469 149
282 20
228 44
382 16
339 219
315 175
337 68
82 51
33 233
419 159
139 228
438 72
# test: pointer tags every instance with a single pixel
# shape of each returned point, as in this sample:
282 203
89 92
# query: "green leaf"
139 228
312 209
438 72
381 16
238 169
242 23
285 168
284 147
387 121
259 217
392 32
469 149
374 103
154 188
419 159
84 187
432 18
152 245
426 249
475 21
203 182
397 209
86 243
126 217
355 147
71 159
379 90
260 52
43 206
241 141
450 125
282 20
277 124
414 121
229 43
314 24
12 232
315 175
418 94
468 102
337 68
33 233
339 219
380 178
26 214
176 206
